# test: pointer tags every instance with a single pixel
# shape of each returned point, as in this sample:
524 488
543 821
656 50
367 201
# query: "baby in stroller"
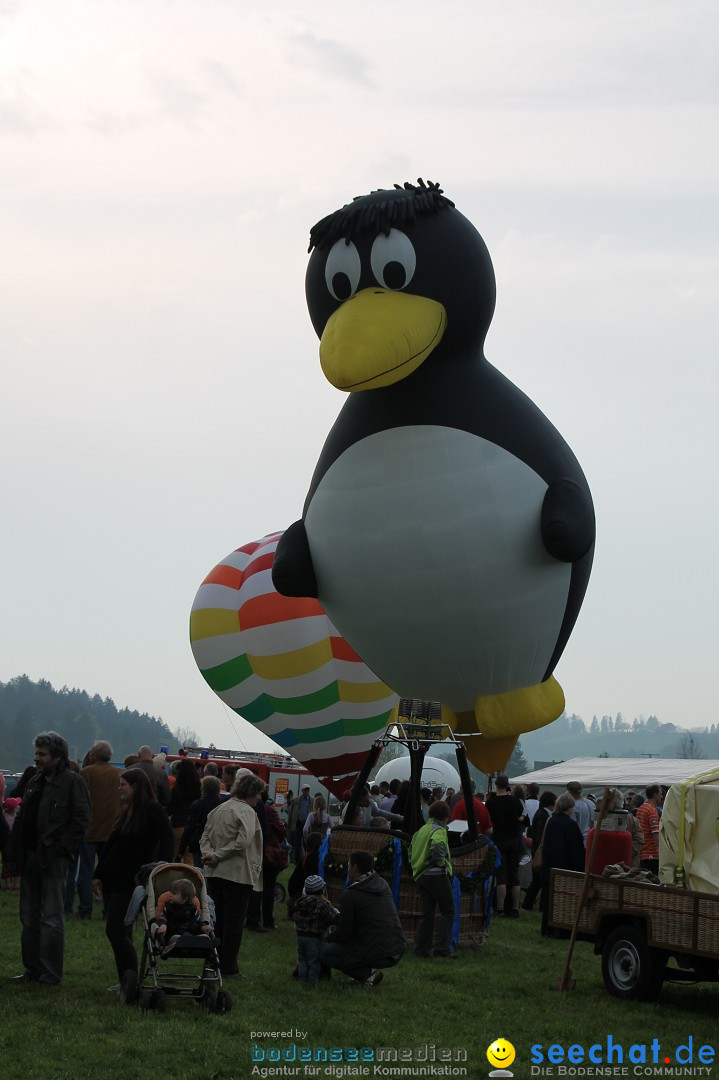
178 923
178 912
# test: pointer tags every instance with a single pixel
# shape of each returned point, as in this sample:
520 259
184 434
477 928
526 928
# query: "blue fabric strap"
490 885
324 848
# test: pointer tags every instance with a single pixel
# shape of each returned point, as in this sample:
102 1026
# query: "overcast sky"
161 400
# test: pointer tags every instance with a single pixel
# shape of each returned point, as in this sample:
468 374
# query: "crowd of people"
561 834
70 832
82 831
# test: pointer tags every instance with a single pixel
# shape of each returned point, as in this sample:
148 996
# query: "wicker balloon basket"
473 866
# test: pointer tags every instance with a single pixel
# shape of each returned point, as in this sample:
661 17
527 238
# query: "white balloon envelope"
436 772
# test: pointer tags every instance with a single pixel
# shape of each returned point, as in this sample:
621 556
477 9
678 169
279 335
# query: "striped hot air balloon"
280 663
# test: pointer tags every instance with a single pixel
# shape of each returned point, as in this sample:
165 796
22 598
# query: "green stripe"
368 725
256 711
308 703
336 730
266 704
229 674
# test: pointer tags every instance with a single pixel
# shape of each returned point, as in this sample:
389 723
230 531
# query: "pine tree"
517 764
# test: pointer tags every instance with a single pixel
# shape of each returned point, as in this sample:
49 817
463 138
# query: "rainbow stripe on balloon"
280 663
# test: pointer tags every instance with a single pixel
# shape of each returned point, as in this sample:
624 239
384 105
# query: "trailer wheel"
630 969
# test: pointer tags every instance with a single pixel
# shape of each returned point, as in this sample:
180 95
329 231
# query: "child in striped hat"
313 915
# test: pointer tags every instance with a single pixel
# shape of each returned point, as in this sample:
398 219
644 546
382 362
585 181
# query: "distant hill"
570 737
28 707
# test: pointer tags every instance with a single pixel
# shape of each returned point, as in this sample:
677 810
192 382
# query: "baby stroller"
155 986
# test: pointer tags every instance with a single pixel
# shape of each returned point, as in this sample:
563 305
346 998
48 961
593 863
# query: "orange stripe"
262 562
225 575
342 650
249 548
273 608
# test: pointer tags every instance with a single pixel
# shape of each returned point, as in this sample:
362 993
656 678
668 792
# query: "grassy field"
506 989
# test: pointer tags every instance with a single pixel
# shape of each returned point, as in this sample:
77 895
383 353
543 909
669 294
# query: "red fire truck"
280 772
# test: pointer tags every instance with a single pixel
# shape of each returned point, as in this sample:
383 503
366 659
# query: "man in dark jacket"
49 830
368 934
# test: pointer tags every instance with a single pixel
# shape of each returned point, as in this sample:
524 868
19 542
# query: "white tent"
596 773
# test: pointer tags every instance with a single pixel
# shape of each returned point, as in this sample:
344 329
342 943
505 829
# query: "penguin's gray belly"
427 549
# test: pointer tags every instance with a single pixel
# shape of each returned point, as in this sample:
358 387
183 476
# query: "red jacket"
484 821
273 850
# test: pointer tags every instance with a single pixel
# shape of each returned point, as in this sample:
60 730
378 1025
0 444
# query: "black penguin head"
397 277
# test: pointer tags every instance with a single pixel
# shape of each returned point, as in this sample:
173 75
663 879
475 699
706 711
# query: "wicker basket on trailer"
673 917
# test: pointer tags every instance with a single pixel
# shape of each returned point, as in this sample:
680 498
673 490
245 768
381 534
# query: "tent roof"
599 772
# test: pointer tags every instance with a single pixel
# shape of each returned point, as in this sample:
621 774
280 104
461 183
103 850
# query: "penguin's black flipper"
567 521
292 571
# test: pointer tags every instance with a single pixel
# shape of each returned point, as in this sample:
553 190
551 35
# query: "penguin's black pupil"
394 275
342 286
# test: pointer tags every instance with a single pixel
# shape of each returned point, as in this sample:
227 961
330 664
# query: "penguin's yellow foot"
517 711
490 755
487 755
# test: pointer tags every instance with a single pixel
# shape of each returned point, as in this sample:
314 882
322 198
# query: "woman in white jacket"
231 848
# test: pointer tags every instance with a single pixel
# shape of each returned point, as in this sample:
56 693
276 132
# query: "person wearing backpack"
318 820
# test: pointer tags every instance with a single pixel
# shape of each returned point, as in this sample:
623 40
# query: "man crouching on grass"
368 934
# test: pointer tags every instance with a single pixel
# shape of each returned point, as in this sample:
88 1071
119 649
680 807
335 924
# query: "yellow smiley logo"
500 1054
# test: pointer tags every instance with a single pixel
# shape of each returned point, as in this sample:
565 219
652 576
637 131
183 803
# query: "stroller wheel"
160 1002
145 1000
224 1002
208 1001
128 987
280 893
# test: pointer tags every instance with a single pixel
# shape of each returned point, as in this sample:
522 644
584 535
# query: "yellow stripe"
290 664
212 622
360 692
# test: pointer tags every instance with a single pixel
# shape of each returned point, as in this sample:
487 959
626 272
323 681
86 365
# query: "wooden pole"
566 981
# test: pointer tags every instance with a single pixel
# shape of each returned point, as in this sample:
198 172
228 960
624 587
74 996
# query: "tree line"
28 707
613 736
609 725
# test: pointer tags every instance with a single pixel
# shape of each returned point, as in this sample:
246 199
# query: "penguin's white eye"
342 270
393 260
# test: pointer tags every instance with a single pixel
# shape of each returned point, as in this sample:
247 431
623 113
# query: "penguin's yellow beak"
379 337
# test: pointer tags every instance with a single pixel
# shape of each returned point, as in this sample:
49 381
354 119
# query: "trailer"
646 934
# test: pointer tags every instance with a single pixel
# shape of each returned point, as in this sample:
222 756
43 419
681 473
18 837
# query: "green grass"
507 988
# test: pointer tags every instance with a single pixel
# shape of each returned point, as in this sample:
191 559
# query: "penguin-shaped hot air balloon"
449 530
